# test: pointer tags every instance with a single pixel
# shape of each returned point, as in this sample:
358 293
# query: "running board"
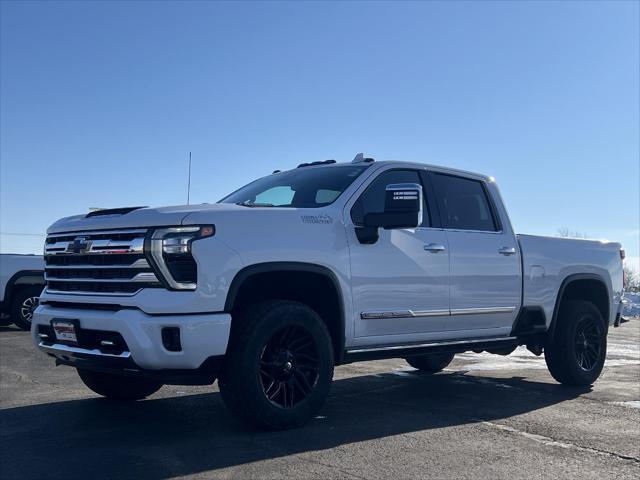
410 349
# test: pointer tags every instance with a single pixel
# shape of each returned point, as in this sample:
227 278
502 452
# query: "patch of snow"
631 304
630 403
521 358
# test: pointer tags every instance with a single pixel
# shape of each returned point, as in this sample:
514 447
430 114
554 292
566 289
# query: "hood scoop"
112 211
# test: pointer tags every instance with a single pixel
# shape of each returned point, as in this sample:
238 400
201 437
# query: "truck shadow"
10 328
168 437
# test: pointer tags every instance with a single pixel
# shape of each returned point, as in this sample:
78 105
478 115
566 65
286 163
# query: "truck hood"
139 217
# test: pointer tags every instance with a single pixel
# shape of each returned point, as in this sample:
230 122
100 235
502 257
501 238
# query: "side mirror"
402 208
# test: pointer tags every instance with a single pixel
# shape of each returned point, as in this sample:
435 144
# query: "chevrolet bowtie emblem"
79 245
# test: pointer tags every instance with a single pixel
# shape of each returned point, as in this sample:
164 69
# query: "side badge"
322 218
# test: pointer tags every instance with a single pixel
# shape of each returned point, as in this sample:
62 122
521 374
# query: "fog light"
171 339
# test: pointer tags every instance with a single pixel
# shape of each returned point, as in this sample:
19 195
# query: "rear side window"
372 199
463 203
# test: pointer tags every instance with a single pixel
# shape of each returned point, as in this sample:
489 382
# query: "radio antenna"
189 181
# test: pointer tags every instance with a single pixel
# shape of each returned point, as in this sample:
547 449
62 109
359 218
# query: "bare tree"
633 281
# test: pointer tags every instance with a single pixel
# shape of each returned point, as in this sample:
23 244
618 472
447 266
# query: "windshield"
306 187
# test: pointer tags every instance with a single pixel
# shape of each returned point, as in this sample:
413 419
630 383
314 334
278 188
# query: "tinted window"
372 200
276 196
463 203
306 187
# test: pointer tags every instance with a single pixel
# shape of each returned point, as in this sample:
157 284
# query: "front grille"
112 307
97 273
98 262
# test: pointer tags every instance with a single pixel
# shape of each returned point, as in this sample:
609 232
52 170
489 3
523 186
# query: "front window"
305 187
373 198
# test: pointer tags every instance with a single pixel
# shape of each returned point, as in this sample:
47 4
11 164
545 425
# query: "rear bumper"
619 319
202 337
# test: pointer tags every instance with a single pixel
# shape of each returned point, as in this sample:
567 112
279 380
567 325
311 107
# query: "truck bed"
548 261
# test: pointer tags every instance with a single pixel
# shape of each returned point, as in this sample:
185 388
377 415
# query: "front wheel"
578 350
279 365
23 306
118 387
430 363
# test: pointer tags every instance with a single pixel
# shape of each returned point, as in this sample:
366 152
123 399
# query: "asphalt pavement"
485 416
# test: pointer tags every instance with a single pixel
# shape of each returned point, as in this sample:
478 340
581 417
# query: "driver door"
400 283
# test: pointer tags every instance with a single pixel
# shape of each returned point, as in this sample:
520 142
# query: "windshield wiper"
249 203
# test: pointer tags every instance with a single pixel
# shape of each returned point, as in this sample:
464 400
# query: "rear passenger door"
484 280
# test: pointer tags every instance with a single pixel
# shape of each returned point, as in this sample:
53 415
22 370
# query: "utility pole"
189 181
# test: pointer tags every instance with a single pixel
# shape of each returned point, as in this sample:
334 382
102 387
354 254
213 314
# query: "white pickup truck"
21 281
302 270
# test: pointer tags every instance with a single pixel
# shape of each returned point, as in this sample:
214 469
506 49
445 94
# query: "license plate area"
66 331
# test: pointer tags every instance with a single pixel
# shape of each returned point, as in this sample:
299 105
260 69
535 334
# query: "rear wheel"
578 350
118 387
279 365
431 363
23 306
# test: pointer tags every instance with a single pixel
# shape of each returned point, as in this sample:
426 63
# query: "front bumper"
203 336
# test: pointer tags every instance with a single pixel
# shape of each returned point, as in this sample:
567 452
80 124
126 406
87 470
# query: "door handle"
507 251
434 247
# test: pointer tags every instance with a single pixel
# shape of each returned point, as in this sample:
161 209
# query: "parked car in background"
21 282
321 265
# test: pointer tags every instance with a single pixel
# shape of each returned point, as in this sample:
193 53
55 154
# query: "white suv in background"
21 282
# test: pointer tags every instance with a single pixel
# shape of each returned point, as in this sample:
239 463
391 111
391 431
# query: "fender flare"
268 267
14 280
565 283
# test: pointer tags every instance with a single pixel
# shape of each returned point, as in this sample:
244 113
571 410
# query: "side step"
406 350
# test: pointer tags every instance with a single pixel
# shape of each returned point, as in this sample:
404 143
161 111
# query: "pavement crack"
23 378
557 443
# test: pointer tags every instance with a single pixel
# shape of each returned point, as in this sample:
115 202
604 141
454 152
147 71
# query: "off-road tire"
118 387
431 363
24 302
252 368
564 354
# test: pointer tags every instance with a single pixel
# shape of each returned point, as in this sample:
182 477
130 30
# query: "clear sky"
101 102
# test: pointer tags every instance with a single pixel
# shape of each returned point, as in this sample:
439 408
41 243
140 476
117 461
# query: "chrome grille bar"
97 247
93 263
143 277
96 233
139 263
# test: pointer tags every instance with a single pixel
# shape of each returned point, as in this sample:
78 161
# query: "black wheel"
24 303
577 353
279 365
118 387
431 363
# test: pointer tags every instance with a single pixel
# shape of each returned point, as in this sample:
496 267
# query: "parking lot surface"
484 417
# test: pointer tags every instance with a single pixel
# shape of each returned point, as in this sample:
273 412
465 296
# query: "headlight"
170 250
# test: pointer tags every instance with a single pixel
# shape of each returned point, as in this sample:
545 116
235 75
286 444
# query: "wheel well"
591 289
21 280
315 287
